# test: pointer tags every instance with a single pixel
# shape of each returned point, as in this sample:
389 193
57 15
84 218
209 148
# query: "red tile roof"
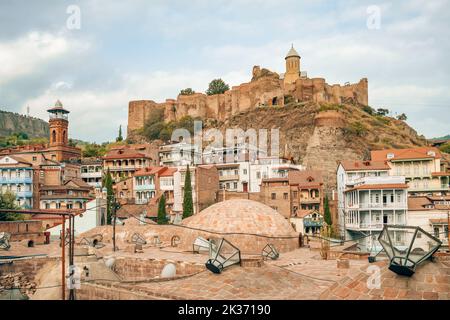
305 178
406 154
168 172
350 165
440 174
148 171
124 153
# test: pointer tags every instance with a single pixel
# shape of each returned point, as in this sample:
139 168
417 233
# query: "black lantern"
407 247
222 254
270 251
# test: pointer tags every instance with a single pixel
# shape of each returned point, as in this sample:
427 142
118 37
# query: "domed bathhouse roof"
248 224
292 53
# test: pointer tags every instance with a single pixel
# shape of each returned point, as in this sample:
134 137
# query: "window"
58 205
69 206
285 196
235 185
236 172
436 232
47 206
258 175
273 196
245 171
295 194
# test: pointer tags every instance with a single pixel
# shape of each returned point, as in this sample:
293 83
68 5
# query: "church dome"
292 53
240 216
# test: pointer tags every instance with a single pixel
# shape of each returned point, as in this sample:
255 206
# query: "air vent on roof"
390 155
431 153
367 163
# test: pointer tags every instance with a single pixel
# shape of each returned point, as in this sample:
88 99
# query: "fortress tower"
292 66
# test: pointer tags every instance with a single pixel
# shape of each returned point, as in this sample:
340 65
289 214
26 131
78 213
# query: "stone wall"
21 230
135 269
29 266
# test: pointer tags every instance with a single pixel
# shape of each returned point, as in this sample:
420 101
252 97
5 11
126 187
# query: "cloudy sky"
131 50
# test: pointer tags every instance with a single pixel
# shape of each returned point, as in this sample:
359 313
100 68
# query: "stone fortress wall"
266 88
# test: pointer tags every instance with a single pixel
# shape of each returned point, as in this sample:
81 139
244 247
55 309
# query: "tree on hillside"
217 86
108 184
445 147
187 92
382 112
120 138
327 212
8 201
402 117
94 150
188 205
162 215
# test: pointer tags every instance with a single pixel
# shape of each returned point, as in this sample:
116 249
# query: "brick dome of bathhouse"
248 224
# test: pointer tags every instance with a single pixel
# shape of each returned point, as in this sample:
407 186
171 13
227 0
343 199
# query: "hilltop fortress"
266 88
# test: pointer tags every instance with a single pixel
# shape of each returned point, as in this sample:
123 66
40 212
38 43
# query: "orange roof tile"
350 165
123 153
405 154
305 178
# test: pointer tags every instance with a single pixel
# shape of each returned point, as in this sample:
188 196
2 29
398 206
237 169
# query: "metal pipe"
63 257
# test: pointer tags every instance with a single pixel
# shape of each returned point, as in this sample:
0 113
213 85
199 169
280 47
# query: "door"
245 186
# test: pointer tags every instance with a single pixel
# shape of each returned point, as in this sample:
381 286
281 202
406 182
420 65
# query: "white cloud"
32 52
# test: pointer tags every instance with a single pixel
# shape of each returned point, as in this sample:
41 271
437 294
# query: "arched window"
54 136
64 137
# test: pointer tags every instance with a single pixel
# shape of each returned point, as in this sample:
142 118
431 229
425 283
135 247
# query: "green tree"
120 138
188 205
327 212
402 117
8 201
217 86
187 92
108 184
445 147
162 215
94 150
382 112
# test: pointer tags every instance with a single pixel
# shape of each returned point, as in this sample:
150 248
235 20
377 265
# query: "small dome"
241 216
292 53
58 104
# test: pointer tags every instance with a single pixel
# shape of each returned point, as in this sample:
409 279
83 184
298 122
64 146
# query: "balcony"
24 194
367 206
142 201
364 226
91 174
308 222
15 180
144 187
310 200
228 177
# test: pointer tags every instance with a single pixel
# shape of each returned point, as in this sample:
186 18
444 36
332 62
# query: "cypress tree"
327 213
109 196
162 215
120 138
188 206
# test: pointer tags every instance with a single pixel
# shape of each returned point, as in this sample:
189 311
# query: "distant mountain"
447 137
11 122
